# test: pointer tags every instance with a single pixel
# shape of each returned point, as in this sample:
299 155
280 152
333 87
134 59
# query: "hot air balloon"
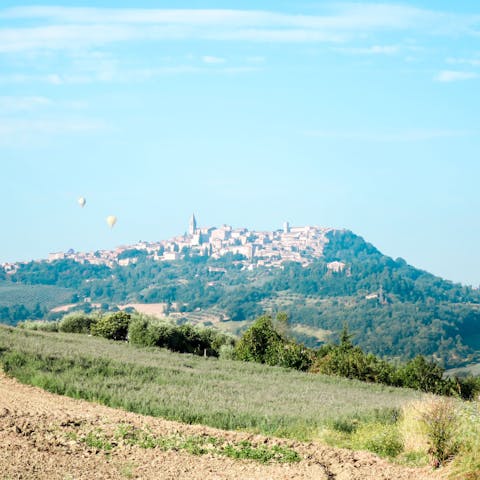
111 220
82 201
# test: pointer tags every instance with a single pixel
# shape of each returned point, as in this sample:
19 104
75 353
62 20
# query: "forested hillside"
392 308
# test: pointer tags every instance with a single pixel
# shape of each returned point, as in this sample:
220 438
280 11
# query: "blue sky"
360 115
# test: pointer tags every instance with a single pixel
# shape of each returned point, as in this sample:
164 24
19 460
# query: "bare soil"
38 441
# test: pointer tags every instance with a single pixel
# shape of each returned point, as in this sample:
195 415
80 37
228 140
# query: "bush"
227 352
467 463
183 339
113 326
141 333
77 322
440 424
257 340
423 375
384 440
347 360
290 355
41 325
263 343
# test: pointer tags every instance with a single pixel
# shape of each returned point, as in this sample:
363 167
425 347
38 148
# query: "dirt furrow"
46 436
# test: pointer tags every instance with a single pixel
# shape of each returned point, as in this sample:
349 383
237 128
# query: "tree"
257 340
423 375
113 326
346 343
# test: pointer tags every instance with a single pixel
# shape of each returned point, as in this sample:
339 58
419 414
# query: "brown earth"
40 432
156 309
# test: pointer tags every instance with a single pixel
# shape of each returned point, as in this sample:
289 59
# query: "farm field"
309 411
220 393
44 436
29 295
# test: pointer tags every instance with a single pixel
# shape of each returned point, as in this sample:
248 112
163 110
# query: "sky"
357 115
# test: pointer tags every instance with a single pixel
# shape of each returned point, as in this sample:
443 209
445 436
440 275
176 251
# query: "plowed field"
42 436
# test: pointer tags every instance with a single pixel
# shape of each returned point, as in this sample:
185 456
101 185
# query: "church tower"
192 227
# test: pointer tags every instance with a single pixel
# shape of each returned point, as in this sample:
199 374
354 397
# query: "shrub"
141 332
227 352
347 360
290 355
440 424
41 325
215 340
183 339
256 341
467 463
384 440
412 428
113 326
77 322
426 376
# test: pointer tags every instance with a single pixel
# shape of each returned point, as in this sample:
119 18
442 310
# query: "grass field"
397 423
192 389
29 295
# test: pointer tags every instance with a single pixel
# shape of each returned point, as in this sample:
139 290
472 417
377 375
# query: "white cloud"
373 50
125 75
54 79
212 60
14 104
414 135
235 70
62 37
31 133
9 126
71 28
344 16
473 62
447 76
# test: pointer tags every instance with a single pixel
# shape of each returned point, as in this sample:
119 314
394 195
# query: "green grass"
220 393
126 434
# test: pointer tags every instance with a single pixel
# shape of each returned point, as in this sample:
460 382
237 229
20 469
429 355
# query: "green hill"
393 309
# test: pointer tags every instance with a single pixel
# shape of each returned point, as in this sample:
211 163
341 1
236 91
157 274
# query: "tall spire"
192 227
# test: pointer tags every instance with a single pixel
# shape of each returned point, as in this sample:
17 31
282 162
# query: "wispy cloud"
343 16
415 135
9 126
448 76
473 62
125 75
372 50
15 104
67 28
31 133
212 60
62 37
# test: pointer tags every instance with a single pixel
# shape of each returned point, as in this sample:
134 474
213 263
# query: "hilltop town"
251 248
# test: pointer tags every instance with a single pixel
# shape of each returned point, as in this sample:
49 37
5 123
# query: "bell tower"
192 226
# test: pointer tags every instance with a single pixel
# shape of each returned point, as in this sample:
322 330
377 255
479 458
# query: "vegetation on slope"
394 309
193 389
267 341
392 422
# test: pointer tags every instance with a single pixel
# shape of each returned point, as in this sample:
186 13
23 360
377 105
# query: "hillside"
74 437
393 309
